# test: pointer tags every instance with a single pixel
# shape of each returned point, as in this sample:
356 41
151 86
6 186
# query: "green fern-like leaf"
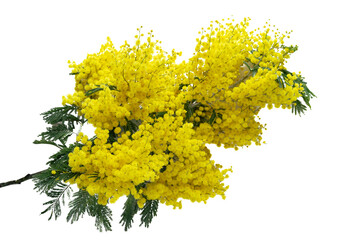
43 141
189 110
78 206
60 160
57 194
56 132
130 209
103 217
298 107
149 211
61 115
213 117
45 181
92 91
100 88
83 203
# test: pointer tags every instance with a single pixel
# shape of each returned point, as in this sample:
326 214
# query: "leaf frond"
83 203
130 209
148 212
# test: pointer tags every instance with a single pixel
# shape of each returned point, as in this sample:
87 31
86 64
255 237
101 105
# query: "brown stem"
20 180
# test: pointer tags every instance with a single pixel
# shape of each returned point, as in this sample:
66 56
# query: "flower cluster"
234 73
132 82
153 115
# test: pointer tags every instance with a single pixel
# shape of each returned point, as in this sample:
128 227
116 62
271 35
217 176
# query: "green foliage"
131 125
43 141
83 203
252 70
60 160
306 94
62 122
52 180
189 107
212 118
95 176
130 209
92 91
282 80
149 211
62 115
291 48
52 185
78 206
192 106
156 115
99 88
56 132
298 107
45 181
57 194
181 85
103 216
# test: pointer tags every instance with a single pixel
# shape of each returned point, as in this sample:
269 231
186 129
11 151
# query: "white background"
303 184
